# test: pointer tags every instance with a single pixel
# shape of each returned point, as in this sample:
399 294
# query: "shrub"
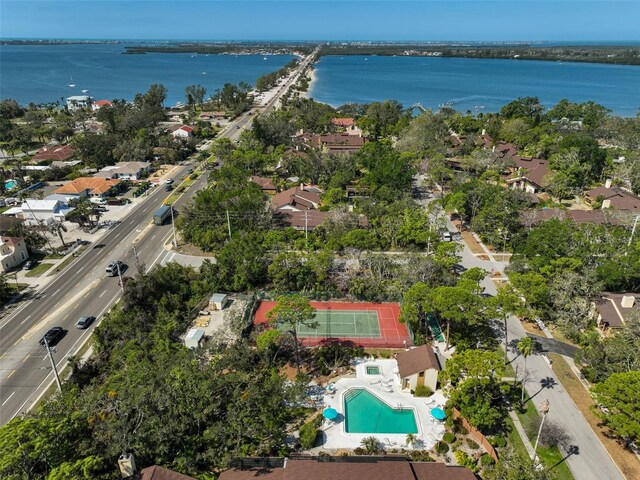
486 460
464 460
359 451
449 437
309 434
472 445
420 456
498 441
423 391
442 448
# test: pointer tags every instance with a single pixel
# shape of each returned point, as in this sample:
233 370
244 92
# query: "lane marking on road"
25 319
80 269
66 316
154 236
11 373
5 402
102 294
56 292
17 342
26 358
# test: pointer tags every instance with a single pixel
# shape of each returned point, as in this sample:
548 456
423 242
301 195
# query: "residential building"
348 468
98 104
347 125
78 102
265 184
13 251
90 187
44 212
156 472
299 198
59 153
418 366
613 309
183 131
613 197
218 301
332 142
530 175
132 171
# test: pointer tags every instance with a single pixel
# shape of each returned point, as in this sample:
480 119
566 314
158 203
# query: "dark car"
52 336
84 322
29 264
168 187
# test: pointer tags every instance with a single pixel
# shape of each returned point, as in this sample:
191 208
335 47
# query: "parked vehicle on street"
168 187
52 336
169 181
162 214
113 267
84 322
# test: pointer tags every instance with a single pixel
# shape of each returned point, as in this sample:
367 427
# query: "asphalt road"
83 288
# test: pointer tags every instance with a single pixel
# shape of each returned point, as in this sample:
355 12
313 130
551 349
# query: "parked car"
29 264
169 181
168 187
113 267
52 336
446 236
84 322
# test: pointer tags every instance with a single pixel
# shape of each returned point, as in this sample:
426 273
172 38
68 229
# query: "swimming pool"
373 370
9 184
366 413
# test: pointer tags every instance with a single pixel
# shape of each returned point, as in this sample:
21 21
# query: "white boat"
85 91
264 58
71 84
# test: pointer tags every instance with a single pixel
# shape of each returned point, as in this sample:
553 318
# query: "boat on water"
264 58
85 91
71 84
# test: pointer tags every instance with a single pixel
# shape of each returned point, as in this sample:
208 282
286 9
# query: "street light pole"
53 365
633 230
120 277
173 227
135 255
544 409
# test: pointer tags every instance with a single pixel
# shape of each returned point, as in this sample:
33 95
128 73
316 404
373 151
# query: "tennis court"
366 324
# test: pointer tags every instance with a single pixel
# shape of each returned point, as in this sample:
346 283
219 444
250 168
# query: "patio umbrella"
438 413
330 413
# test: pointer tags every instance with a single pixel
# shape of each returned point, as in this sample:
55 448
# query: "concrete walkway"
522 433
590 460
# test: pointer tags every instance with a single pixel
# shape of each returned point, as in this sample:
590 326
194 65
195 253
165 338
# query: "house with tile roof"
265 184
98 104
615 198
348 468
530 175
184 131
90 187
299 198
59 153
418 366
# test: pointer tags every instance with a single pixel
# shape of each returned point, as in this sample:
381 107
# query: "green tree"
506 302
526 348
619 396
292 312
194 94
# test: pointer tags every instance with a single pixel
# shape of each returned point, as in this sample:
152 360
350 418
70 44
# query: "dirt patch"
626 461
531 327
189 249
471 242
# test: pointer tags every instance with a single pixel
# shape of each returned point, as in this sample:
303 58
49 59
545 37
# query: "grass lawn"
551 457
62 265
53 256
38 270
514 440
624 459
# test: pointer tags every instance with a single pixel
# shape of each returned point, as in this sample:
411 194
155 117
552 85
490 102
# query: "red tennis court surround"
391 333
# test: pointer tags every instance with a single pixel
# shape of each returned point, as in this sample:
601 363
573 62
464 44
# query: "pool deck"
429 430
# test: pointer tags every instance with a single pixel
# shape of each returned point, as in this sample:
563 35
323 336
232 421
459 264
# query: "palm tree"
411 439
525 347
371 445
58 228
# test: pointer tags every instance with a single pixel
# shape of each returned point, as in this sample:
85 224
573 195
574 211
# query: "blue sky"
426 20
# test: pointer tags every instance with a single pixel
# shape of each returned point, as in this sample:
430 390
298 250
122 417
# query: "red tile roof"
186 128
95 186
58 152
350 468
343 121
103 103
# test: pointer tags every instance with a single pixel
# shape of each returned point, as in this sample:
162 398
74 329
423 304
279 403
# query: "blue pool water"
9 184
366 413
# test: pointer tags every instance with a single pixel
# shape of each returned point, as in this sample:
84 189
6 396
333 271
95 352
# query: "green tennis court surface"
343 323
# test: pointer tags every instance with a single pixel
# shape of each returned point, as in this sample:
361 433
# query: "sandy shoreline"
312 79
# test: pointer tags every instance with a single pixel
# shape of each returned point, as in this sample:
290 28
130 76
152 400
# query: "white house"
184 131
37 212
417 366
124 171
13 251
78 102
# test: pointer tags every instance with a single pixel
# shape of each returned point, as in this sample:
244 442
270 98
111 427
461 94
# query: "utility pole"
53 364
173 227
544 409
306 225
120 277
228 224
633 230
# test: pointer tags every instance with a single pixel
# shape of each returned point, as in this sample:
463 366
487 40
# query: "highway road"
83 288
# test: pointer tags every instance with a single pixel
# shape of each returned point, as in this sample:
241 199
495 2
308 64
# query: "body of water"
473 84
43 73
